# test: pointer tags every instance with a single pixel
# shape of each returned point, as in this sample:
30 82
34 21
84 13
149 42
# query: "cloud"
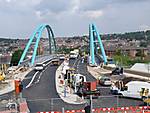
71 17
93 14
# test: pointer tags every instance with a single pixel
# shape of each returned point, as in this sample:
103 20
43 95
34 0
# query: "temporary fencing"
113 103
136 109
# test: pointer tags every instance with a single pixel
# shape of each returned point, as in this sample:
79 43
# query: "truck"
87 89
133 89
74 54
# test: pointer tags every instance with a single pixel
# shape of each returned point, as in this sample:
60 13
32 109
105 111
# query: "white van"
39 67
78 79
134 89
73 54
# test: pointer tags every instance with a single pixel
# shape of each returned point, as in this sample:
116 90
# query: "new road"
42 96
106 99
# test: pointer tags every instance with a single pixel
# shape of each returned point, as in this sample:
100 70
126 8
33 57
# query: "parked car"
55 62
39 67
104 80
117 71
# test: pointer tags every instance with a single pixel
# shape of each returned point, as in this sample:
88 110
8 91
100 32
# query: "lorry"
133 89
74 54
87 89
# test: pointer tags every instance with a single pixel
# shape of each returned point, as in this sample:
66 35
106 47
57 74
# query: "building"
130 51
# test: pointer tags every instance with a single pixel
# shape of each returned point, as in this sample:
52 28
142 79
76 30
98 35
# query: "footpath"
69 96
97 71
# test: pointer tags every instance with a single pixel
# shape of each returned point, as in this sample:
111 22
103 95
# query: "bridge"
37 35
94 37
41 87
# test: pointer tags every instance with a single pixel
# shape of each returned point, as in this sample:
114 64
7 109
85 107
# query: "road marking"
32 79
75 62
78 66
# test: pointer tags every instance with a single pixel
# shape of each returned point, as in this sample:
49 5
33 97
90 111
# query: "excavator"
2 74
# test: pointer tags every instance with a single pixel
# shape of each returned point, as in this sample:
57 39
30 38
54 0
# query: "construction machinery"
2 76
147 101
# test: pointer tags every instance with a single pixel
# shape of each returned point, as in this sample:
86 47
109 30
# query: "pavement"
70 97
97 71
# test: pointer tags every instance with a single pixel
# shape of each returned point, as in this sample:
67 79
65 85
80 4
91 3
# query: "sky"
19 18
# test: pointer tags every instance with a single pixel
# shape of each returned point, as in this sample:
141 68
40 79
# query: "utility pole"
91 104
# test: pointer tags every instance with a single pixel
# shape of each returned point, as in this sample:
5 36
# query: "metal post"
91 104
75 85
51 104
63 110
117 101
65 89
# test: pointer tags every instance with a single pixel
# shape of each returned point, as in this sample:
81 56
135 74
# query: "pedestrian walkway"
97 71
69 97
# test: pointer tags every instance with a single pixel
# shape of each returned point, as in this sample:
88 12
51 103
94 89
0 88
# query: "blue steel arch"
94 36
37 34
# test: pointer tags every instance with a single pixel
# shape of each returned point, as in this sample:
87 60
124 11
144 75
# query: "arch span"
94 37
37 35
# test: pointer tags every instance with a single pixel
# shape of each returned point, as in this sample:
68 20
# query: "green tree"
118 52
140 54
16 57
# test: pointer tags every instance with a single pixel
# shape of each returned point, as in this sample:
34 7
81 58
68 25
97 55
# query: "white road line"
39 76
78 66
75 62
32 80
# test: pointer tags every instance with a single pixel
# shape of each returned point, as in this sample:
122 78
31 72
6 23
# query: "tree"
140 54
118 52
16 57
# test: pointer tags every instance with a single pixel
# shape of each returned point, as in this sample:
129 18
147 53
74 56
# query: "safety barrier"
131 109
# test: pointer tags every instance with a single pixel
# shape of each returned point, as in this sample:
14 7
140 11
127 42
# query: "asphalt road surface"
106 99
42 96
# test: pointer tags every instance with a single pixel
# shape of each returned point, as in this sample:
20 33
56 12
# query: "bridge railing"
39 59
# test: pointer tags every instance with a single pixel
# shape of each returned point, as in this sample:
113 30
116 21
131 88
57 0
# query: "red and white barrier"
140 109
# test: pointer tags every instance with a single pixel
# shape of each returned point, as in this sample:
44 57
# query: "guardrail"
131 109
38 59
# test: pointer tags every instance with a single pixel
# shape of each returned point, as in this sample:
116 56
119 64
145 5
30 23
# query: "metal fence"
102 104
8 103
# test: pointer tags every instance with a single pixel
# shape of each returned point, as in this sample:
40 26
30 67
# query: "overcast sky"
19 18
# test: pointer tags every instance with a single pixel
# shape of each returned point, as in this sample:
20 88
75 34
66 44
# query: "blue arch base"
94 37
37 35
